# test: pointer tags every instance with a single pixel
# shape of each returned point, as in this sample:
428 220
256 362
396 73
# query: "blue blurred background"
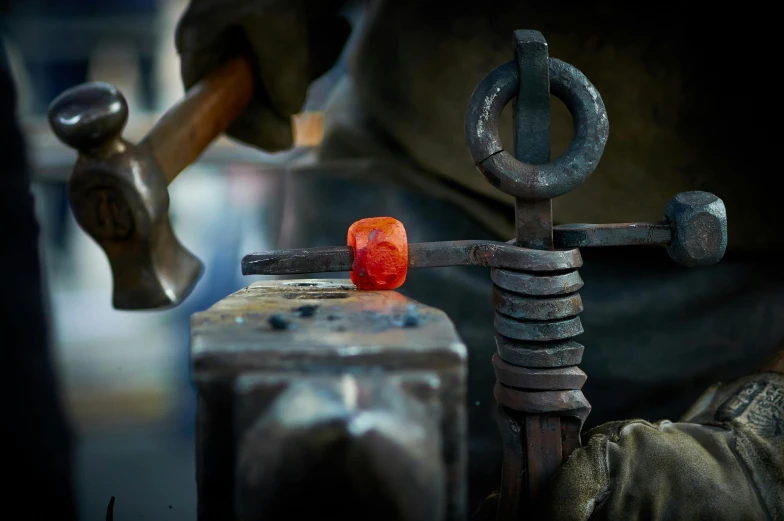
125 376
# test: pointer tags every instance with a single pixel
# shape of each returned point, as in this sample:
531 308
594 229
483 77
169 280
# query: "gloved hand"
290 42
723 461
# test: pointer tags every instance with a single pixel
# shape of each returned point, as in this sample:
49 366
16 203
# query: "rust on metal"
539 354
537 284
543 451
617 234
538 331
514 475
570 435
492 254
560 403
524 307
549 379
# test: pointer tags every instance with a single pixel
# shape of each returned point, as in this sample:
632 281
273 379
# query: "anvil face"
357 396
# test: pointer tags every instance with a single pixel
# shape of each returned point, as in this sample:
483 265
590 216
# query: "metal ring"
537 285
547 379
536 308
538 354
556 403
552 179
530 331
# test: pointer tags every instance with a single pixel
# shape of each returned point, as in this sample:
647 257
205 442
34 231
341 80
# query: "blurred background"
125 375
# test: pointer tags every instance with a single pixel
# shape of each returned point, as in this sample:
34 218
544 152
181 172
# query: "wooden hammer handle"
205 112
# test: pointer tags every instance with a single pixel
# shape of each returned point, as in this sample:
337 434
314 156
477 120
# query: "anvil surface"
321 321
280 362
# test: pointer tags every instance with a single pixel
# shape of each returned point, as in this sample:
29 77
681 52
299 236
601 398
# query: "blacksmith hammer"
118 190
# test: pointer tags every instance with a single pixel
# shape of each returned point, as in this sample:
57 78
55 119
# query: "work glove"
290 43
724 460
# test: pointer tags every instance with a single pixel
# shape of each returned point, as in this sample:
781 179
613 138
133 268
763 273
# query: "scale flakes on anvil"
535 279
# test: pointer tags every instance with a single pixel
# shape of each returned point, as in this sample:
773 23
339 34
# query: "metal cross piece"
535 276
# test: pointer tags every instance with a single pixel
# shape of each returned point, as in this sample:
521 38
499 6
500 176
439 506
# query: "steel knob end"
698 221
88 116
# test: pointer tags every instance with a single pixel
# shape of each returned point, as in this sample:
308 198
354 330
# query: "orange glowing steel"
380 253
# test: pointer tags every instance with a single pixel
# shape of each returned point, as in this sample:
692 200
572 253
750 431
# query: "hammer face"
153 274
120 200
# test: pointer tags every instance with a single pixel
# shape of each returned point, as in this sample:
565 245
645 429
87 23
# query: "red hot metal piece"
380 248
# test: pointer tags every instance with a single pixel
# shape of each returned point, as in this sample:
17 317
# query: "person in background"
686 113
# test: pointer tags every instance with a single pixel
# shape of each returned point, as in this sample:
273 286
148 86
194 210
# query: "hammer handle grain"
204 113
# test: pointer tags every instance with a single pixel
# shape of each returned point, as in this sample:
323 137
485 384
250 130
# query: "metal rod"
541 434
420 255
459 253
543 450
534 219
621 234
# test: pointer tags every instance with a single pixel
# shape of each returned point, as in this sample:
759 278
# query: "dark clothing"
35 433
656 334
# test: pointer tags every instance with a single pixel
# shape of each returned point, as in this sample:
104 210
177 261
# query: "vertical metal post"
540 449
534 219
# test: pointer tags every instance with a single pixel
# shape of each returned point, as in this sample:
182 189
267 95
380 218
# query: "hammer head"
120 198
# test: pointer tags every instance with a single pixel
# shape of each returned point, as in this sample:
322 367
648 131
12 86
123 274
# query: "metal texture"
537 285
550 379
538 436
570 435
420 255
533 218
695 231
699 236
543 451
119 190
539 354
693 245
533 180
535 331
536 313
536 308
622 234
89 116
565 402
347 431
306 260
118 196
514 473
342 399
524 180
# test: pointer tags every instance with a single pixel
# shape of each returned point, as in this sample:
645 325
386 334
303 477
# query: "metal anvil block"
314 397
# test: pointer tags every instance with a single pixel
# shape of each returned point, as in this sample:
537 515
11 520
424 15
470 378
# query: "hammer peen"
118 190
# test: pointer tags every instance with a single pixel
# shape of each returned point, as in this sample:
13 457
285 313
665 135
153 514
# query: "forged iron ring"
538 378
535 182
537 331
556 403
537 285
539 354
536 308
